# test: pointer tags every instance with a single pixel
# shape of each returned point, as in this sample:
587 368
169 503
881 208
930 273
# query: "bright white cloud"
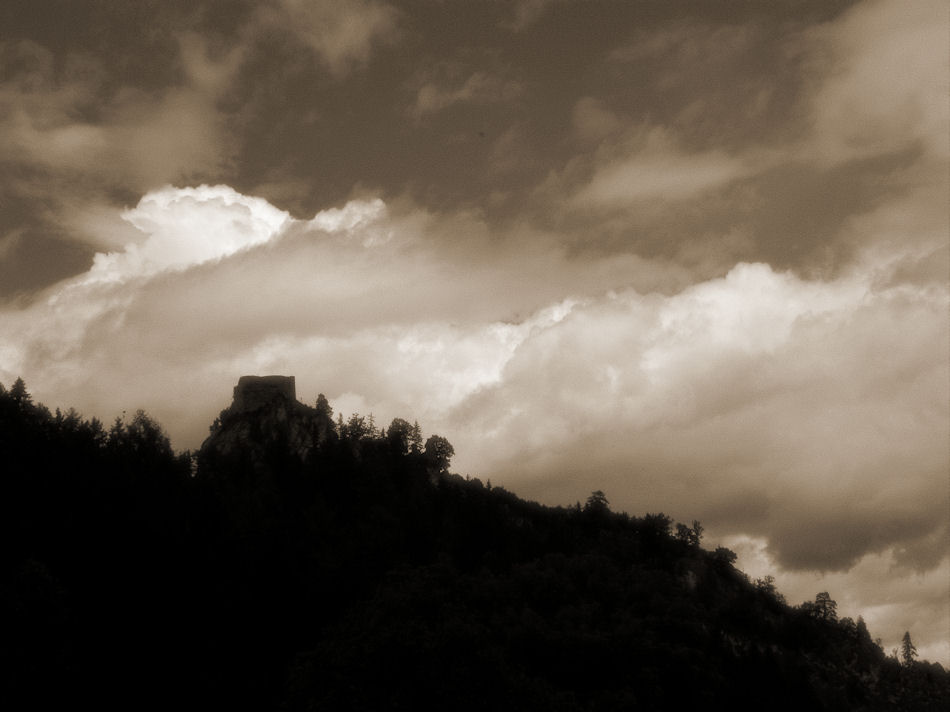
354 215
186 227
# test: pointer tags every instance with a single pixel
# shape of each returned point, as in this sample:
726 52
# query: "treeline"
301 562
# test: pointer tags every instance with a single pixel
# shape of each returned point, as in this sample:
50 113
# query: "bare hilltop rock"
264 414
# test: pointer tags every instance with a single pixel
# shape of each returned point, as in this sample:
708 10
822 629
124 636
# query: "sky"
692 254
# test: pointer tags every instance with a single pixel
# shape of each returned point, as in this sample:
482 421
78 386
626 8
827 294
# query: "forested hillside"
299 562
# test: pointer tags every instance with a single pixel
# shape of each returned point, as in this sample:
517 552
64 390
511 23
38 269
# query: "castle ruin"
253 392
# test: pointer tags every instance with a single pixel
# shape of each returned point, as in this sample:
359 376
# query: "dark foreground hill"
304 564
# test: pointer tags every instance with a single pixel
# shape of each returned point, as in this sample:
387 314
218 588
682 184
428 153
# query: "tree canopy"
295 563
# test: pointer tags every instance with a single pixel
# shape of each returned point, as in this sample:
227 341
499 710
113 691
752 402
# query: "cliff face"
264 417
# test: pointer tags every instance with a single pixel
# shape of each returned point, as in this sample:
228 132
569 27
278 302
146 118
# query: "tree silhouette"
20 395
724 557
766 585
366 577
690 535
824 608
597 503
657 524
398 435
439 452
323 407
356 427
415 438
908 650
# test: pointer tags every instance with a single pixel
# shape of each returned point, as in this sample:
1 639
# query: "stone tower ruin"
253 392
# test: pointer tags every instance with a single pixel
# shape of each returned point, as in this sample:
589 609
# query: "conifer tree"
323 407
20 395
597 503
908 650
826 607
415 438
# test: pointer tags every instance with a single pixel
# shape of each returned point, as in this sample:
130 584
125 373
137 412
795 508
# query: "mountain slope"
297 563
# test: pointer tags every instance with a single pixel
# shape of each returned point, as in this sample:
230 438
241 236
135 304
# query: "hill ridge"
360 573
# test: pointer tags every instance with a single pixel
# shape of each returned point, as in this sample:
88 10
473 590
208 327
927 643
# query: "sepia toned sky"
692 254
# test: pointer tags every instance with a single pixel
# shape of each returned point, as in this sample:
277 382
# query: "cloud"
883 81
762 401
9 243
510 152
684 45
691 181
138 138
186 227
526 13
630 326
592 121
354 215
759 401
479 87
342 34
890 597
809 414
75 142
649 166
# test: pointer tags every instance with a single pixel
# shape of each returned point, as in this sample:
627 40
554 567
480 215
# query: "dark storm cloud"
77 141
98 104
301 102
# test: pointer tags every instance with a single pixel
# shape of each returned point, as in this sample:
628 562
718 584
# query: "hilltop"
300 562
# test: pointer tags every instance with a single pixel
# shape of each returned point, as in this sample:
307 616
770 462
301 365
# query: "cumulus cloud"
185 227
810 414
759 400
732 398
353 215
210 271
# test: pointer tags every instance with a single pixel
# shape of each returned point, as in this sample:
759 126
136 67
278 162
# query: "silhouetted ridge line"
302 563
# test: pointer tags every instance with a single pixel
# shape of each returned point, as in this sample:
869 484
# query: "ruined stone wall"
253 392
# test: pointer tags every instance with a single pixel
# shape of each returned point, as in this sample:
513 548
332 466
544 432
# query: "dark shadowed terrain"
299 562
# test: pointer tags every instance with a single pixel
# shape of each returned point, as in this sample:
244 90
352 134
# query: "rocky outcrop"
264 418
